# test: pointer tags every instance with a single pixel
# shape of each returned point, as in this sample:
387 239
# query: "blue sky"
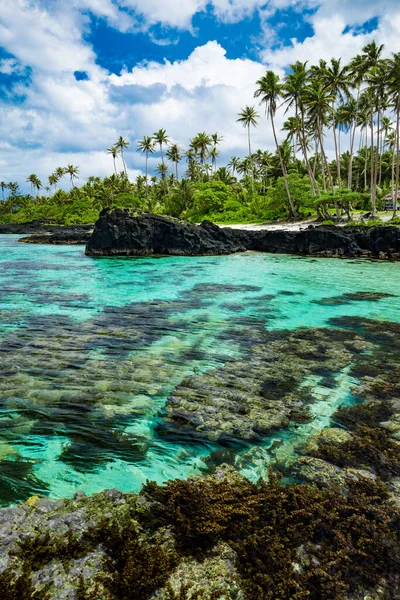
75 74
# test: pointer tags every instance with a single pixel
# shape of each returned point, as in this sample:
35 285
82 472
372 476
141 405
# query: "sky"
77 74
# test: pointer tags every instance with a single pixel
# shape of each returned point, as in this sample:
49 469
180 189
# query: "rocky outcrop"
40 232
73 234
117 233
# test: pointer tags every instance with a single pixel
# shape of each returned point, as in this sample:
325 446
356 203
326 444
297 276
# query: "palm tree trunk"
301 136
393 179
115 166
325 160
336 153
147 177
251 158
378 141
123 162
292 209
397 154
176 167
373 192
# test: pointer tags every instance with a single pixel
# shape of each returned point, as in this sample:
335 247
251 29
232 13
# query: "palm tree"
32 180
233 164
146 145
59 173
52 179
160 137
73 172
385 130
216 140
248 117
368 61
114 153
122 145
318 102
3 186
270 91
200 144
174 155
336 80
162 169
394 91
293 91
213 155
37 185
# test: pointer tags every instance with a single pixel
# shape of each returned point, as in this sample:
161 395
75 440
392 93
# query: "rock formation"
117 233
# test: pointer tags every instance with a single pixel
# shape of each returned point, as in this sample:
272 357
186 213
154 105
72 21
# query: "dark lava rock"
42 232
117 233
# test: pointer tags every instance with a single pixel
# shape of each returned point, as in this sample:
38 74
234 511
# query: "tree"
233 164
216 140
200 144
336 80
368 61
59 173
3 186
174 155
248 117
73 173
32 180
318 102
270 91
146 145
293 91
122 145
394 91
160 137
114 153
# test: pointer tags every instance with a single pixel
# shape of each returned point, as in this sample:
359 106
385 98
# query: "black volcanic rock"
117 233
42 232
120 234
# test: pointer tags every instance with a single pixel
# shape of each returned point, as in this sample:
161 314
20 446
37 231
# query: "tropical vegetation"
353 108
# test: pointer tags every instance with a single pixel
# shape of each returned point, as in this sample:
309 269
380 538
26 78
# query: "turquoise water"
91 349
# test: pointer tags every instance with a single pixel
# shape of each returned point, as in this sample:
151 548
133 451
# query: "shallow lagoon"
91 349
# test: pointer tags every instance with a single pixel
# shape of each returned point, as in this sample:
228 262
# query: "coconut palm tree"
3 186
73 173
32 180
37 185
216 140
394 91
174 155
122 145
248 117
160 137
270 92
52 179
335 79
146 145
59 173
293 90
114 153
370 59
318 102
200 144
233 164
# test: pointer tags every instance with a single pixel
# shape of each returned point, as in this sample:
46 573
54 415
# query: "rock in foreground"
117 233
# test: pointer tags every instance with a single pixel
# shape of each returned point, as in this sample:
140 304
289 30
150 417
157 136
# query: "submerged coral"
206 538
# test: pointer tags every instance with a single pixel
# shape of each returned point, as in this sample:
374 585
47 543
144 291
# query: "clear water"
90 350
